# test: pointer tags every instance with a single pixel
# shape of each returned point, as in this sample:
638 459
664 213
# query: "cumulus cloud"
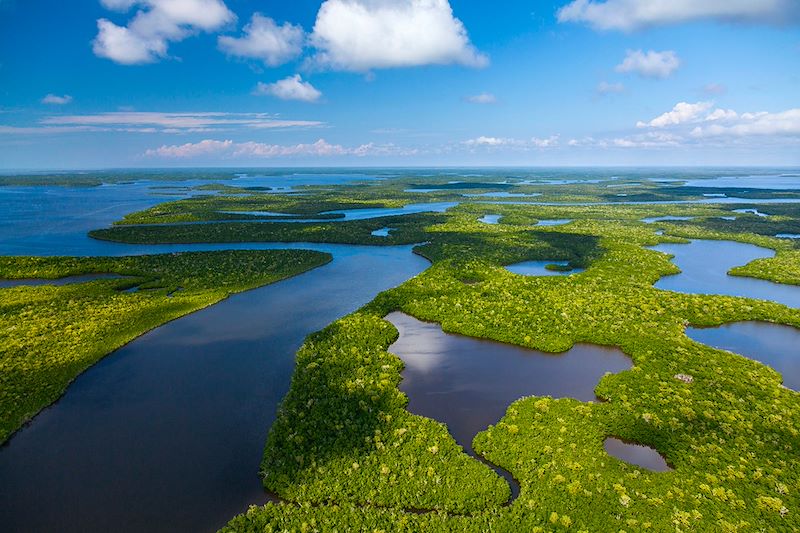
650 64
250 149
147 35
291 88
265 40
483 98
705 120
729 123
682 113
627 15
610 88
361 35
54 99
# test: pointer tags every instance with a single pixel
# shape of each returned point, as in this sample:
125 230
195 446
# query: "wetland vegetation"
349 452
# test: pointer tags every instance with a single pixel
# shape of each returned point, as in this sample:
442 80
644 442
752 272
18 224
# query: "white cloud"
506 142
490 141
610 88
205 147
118 5
179 121
722 114
54 99
153 122
784 124
360 35
627 15
230 149
547 142
146 37
265 40
483 98
650 64
291 88
707 121
682 113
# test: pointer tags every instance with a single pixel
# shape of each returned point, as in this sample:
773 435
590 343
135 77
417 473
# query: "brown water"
468 383
636 454
774 345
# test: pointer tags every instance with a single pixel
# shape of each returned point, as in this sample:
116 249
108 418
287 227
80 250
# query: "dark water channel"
468 383
775 345
8 283
166 434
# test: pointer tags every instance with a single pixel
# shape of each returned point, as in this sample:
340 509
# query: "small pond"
751 212
539 268
468 383
653 220
383 232
636 454
490 219
774 345
556 222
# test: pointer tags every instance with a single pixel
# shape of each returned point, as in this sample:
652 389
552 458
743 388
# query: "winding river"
166 433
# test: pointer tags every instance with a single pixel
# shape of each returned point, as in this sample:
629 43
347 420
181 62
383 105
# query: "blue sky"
158 83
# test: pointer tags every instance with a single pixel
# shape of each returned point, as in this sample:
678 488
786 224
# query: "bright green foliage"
49 334
732 434
343 433
347 456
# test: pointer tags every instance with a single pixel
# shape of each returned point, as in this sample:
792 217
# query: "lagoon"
774 345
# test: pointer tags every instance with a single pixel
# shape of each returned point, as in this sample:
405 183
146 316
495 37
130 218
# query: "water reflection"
636 454
166 434
8 283
490 219
704 270
383 232
540 268
469 383
774 345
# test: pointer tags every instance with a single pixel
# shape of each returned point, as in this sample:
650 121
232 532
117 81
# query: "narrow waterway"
166 434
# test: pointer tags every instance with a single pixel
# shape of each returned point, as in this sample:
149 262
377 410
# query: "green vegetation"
49 334
344 453
349 456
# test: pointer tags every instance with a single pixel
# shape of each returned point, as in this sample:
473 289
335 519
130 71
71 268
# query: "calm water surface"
469 383
539 268
490 219
166 434
636 454
8 283
774 345
704 270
